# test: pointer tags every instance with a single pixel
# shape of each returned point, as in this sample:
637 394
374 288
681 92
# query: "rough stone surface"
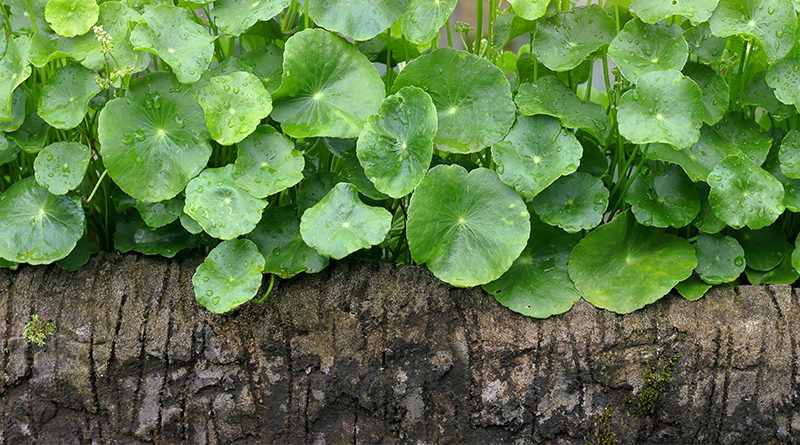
366 353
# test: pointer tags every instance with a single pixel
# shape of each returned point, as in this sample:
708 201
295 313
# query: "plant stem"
449 34
478 26
33 20
91 195
305 24
388 60
269 290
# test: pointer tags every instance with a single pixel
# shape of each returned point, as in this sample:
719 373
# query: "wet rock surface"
366 353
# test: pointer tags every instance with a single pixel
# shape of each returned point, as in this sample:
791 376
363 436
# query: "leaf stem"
269 290
33 20
96 186
305 20
449 34
478 26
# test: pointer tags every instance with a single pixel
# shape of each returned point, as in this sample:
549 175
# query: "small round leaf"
234 105
664 198
423 18
692 288
357 20
784 78
65 98
529 9
764 248
772 22
574 203
565 39
641 48
267 163
720 258
60 166
229 276
70 18
716 94
159 214
233 17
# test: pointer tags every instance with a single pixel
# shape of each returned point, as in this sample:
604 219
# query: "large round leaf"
154 140
784 78
665 107
663 198
472 98
329 88
233 17
423 18
267 163
651 11
529 9
764 248
574 203
13 71
549 96
278 239
538 284
720 258
563 40
467 227
623 266
70 18
716 94
168 32
65 97
641 48
357 20
341 224
38 227
229 276
536 152
396 146
234 105
61 165
772 22
790 154
222 208
742 193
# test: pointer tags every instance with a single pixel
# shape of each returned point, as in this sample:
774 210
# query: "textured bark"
372 353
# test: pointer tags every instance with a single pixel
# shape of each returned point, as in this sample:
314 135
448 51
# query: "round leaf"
574 203
563 40
233 17
159 214
764 248
744 194
641 48
396 146
784 78
714 89
536 152
118 20
423 18
80 255
168 32
37 226
692 288
154 140
229 276
234 105
341 224
665 198
222 208
329 88
790 154
13 71
468 228
472 98
706 221
720 258
278 239
18 100
267 163
529 9
623 266
32 135
357 20
8 150
70 18
665 107
650 11
60 166
772 22
166 241
65 98
760 94
784 273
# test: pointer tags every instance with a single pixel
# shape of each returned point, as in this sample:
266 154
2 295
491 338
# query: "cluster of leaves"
37 331
273 135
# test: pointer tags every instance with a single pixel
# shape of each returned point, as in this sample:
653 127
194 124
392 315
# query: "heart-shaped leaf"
790 154
771 22
159 214
423 18
549 96
341 224
467 227
663 198
60 166
538 284
233 17
641 48
742 193
13 71
65 97
763 248
623 266
329 88
168 32
278 239
720 258
234 105
267 163
529 9
784 78
472 98
665 107
357 20
222 208
536 152
716 94
396 146
70 18
650 11
154 140
229 276
37 226
574 203
563 40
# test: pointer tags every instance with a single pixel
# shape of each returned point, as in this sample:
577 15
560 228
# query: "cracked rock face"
372 353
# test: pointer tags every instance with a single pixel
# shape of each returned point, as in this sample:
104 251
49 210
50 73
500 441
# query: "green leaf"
549 96
8 150
423 18
395 147
38 227
189 224
357 20
278 239
791 187
784 273
341 224
706 221
692 288
266 62
60 166
229 276
32 135
118 20
154 140
21 18
233 17
70 18
133 234
764 248
795 256
536 152
771 22
234 105
65 98
641 48
650 11
353 173
159 214
790 154
760 94
538 284
574 203
14 69
714 89
529 9
80 255
563 40
168 32
742 193
329 88
720 258
222 208
703 43
472 98
784 78
267 163
663 198
665 107
468 228
623 266
18 100
313 188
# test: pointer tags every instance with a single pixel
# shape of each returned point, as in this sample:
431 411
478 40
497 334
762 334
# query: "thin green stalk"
478 26
489 33
742 63
305 16
588 95
449 34
94 190
388 60
7 20
33 20
269 290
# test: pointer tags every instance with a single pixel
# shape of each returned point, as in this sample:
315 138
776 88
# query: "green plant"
657 374
274 135
37 331
603 435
